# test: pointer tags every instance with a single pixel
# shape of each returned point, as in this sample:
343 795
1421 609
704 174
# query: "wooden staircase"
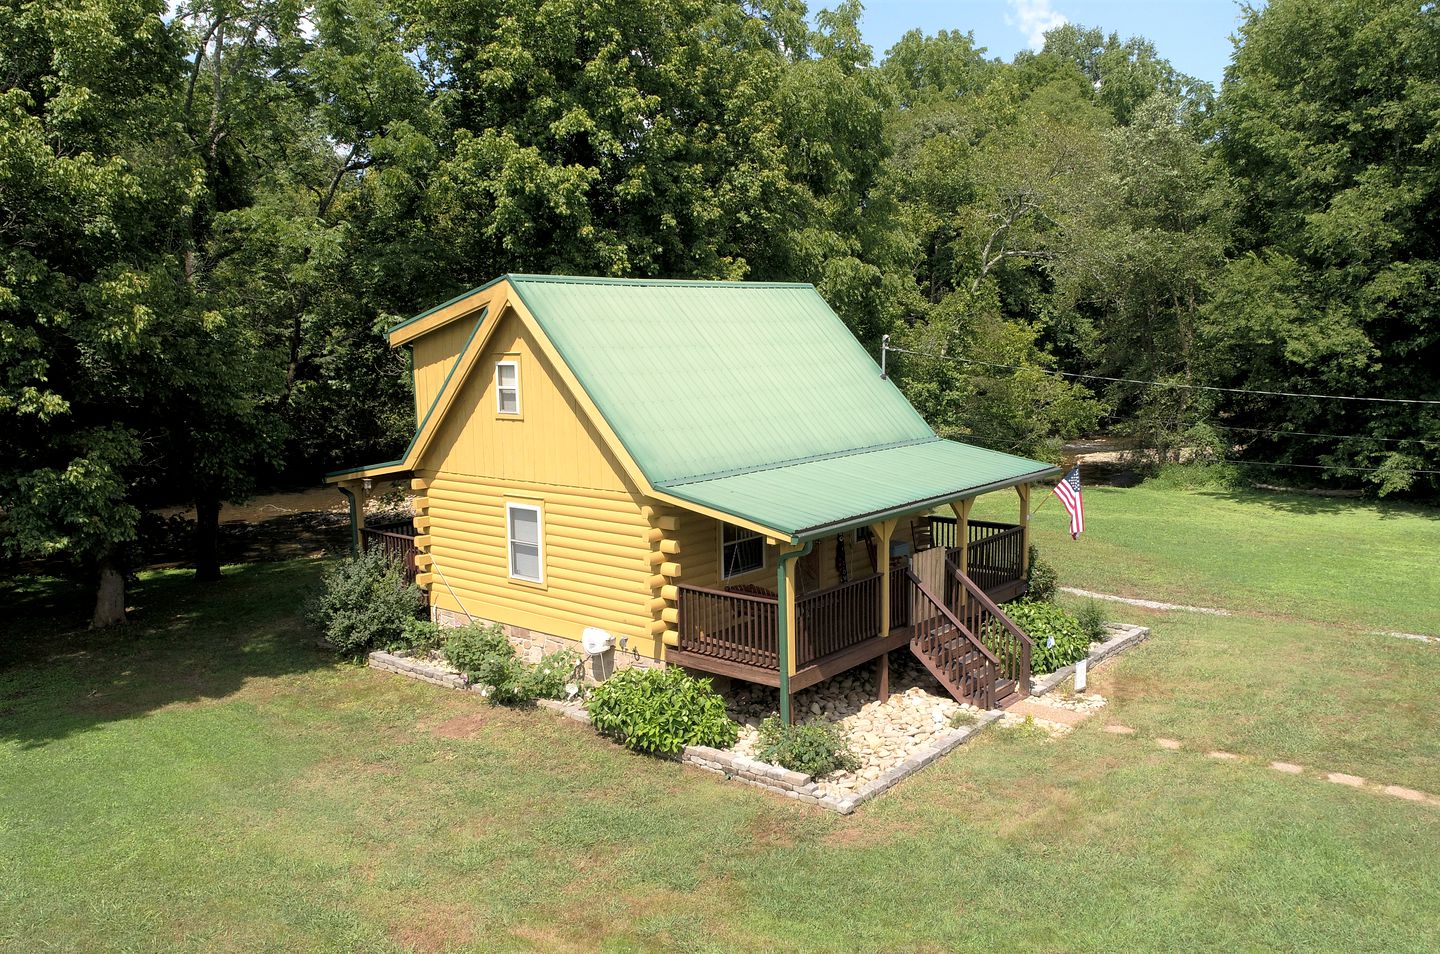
976 652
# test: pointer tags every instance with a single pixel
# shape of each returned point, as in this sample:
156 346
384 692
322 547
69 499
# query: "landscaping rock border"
775 778
1125 636
732 765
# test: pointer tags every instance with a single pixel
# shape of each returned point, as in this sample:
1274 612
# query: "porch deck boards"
806 676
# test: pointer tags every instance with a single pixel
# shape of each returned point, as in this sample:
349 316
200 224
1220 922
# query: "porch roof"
826 494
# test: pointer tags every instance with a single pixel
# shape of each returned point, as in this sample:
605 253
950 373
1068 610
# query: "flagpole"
1051 493
1043 502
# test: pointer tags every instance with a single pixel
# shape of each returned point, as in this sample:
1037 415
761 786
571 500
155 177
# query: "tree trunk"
109 595
207 537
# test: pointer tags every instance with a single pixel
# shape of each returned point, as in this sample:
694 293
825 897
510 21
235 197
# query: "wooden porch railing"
736 627
977 611
837 618
997 554
396 539
899 598
962 663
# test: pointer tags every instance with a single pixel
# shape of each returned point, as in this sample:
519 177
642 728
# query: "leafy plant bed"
884 762
1121 637
890 740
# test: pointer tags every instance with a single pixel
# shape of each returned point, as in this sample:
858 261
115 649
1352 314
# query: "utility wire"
1361 470
1161 384
1269 430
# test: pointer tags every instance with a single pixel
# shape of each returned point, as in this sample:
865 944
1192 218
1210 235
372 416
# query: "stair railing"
962 663
1010 644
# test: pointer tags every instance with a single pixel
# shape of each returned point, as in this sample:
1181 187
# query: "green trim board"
444 304
420 425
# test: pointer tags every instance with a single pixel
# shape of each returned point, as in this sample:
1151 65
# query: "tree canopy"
210 210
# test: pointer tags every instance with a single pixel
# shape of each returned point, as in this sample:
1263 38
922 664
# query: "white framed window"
507 388
523 523
741 551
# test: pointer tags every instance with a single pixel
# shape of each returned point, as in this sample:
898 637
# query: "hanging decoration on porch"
842 563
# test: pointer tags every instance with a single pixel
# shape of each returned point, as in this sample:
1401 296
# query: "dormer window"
507 388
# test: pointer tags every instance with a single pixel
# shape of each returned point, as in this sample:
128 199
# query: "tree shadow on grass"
1318 504
186 642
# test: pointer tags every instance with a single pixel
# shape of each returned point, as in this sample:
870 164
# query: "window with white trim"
507 388
522 523
741 551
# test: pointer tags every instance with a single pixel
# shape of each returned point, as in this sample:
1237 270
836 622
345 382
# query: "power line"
1358 470
1268 430
1160 384
1364 437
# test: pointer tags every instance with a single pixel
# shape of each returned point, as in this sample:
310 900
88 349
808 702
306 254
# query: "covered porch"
936 592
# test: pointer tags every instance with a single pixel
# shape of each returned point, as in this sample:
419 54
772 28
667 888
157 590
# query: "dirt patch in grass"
858 831
429 924
465 726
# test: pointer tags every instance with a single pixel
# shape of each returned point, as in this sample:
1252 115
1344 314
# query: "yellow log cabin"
714 475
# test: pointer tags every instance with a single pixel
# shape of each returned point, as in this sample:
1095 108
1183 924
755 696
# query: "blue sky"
1192 34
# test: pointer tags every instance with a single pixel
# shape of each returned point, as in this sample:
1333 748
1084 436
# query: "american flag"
1068 490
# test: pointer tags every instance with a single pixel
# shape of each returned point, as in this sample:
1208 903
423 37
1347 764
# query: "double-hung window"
507 388
527 558
741 551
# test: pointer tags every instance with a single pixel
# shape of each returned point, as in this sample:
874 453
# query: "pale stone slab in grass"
1289 768
1037 709
1340 778
1115 728
1171 744
1409 794
1224 756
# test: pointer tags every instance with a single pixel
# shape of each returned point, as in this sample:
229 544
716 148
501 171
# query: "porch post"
962 530
1024 491
883 532
785 612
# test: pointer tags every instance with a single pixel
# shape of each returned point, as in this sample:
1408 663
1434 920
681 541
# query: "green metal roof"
753 398
817 497
705 378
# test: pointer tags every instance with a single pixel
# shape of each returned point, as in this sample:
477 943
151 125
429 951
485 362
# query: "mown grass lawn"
209 780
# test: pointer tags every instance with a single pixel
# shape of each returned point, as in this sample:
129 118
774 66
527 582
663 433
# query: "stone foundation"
532 644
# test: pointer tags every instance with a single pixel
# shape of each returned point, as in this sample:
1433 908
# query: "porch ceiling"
819 496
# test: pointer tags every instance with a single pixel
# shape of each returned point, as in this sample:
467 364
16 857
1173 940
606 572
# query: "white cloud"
1033 18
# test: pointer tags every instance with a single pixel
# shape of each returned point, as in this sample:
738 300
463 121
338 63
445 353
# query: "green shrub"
1092 621
364 603
1042 622
420 637
661 711
548 677
813 748
486 657
468 647
1041 576
503 680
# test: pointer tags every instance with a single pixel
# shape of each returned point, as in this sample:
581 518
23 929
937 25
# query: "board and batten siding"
594 543
433 356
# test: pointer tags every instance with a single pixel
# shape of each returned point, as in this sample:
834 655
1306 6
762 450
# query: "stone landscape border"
775 778
1125 636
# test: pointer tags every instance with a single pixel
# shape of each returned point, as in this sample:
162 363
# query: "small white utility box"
1080 674
596 641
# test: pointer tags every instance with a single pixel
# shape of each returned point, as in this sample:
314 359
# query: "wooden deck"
396 538
735 634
